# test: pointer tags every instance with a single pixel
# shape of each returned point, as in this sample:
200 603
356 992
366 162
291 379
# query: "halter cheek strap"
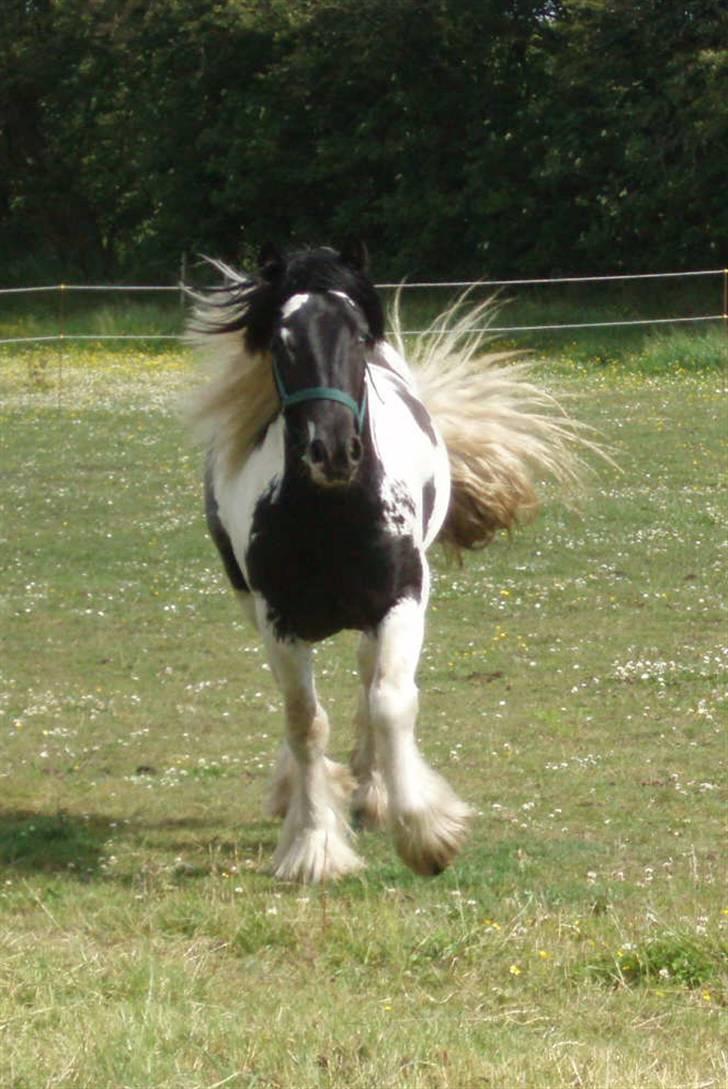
320 393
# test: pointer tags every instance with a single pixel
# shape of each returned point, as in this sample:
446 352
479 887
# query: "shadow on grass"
76 846
48 843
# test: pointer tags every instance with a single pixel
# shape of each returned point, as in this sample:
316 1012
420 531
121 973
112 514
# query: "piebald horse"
331 469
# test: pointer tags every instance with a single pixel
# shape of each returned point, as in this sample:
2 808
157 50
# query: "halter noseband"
320 393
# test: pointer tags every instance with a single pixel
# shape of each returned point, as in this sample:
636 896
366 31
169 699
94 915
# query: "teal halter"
320 393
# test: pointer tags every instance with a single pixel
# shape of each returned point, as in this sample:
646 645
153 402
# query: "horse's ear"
355 254
270 261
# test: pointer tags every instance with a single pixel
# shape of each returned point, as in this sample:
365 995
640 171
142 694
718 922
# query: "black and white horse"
328 477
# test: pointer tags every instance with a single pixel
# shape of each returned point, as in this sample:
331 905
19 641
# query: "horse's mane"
503 433
251 304
233 326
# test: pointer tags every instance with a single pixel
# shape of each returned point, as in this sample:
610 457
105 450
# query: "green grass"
98 313
579 304
573 690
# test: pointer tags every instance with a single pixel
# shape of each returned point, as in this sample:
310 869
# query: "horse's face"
319 357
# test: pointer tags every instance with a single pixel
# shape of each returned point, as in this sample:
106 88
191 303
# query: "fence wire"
464 285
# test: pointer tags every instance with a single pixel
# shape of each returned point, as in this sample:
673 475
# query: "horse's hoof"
428 840
370 806
314 856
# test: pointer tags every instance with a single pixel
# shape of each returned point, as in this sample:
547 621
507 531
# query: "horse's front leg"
428 819
314 842
369 804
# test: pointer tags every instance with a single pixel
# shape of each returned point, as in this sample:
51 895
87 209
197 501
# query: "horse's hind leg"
369 804
314 841
429 821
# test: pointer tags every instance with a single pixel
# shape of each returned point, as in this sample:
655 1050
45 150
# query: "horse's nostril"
355 449
317 451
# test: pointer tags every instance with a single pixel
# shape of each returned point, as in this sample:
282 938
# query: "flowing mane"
504 434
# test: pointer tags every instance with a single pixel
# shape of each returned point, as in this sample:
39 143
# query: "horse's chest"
325 561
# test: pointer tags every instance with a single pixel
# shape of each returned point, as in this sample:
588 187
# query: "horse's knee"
300 709
392 704
305 718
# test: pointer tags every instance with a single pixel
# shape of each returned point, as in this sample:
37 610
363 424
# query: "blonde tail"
502 432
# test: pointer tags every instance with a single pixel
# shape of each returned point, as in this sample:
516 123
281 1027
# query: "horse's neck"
384 355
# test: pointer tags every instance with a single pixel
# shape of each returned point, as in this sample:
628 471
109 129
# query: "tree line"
457 137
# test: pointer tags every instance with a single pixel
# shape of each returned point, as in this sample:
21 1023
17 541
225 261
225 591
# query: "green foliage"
457 138
633 157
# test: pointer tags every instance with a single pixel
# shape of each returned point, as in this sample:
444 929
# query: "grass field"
573 690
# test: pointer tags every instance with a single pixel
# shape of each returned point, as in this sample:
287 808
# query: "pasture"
573 690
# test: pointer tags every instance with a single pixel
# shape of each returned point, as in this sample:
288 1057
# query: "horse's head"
318 354
311 312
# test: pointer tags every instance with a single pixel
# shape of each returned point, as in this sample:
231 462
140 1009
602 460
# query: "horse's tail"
503 433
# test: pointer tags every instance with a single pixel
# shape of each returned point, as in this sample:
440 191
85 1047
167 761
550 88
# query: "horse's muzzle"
333 465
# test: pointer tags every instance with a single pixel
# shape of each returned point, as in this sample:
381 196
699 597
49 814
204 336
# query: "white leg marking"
429 821
314 842
369 804
281 788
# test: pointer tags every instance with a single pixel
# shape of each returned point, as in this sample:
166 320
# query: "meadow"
573 691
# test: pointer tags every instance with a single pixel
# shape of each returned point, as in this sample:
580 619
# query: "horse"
332 466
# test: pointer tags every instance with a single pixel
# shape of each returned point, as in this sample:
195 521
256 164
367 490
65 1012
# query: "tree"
635 135
483 136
